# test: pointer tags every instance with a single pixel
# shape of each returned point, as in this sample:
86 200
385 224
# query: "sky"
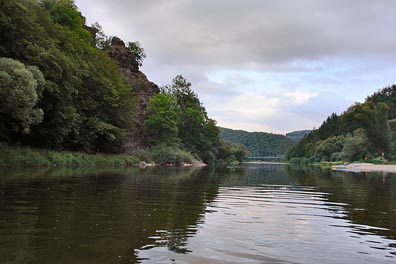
261 65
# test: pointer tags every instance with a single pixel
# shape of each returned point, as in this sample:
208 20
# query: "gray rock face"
141 87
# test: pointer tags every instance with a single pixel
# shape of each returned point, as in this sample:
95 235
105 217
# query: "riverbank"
26 157
365 167
42 158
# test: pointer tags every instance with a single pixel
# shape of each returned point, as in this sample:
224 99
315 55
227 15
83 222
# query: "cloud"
299 60
241 33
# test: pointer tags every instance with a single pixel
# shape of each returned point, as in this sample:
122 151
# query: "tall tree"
163 120
20 88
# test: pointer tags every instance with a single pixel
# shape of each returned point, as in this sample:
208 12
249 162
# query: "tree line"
365 131
258 141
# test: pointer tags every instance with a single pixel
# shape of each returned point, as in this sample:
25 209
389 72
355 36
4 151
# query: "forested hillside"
65 85
256 141
297 135
364 131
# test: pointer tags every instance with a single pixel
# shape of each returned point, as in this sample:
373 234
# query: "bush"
295 161
314 159
165 155
143 155
325 159
336 156
209 158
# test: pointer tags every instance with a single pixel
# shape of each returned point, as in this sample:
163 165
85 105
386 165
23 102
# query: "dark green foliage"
100 39
373 118
229 151
386 95
356 146
258 141
86 104
138 51
198 133
326 148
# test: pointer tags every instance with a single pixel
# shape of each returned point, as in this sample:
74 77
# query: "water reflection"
250 214
103 217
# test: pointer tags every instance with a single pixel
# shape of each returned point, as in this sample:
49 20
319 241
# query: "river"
257 213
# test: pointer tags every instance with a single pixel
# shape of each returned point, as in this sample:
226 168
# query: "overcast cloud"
261 65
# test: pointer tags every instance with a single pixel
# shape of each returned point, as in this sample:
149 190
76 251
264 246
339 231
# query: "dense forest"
365 131
258 141
65 85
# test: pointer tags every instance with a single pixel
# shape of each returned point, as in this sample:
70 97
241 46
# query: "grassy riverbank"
15 156
11 156
161 155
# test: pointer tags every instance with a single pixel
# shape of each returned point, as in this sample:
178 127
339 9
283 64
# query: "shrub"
143 155
170 155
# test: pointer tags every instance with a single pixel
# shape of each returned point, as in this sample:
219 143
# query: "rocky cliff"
141 87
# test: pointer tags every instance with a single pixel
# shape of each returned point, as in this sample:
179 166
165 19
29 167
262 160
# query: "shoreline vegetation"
26 157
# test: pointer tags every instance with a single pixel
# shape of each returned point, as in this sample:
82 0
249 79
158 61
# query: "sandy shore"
359 167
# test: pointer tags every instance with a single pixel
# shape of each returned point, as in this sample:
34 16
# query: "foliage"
138 51
170 155
74 96
163 120
101 40
20 87
198 133
86 104
373 118
229 152
327 147
257 141
365 127
356 146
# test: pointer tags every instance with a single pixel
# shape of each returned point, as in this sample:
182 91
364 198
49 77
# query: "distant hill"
255 141
297 135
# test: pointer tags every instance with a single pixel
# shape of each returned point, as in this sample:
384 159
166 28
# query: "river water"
258 213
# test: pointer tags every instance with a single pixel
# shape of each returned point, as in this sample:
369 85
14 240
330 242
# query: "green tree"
20 87
229 152
101 40
163 120
327 147
373 118
185 96
356 146
138 51
192 129
392 128
197 132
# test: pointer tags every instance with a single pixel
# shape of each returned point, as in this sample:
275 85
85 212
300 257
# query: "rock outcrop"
142 88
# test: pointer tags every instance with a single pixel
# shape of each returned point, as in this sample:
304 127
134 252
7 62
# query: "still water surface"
253 214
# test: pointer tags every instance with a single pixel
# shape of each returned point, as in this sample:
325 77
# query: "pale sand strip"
366 167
